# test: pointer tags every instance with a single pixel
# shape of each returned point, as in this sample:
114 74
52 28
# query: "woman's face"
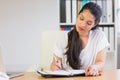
85 22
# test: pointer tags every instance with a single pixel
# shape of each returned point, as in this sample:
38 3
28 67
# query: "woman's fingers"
91 71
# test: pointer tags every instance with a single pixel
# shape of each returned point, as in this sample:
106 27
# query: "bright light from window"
118 3
118 16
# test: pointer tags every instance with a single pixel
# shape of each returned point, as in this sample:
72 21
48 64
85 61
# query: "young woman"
85 46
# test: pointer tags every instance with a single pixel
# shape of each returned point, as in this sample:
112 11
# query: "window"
118 13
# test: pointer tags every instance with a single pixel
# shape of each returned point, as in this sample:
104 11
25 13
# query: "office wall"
21 24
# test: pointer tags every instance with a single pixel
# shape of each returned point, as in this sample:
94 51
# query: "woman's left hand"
92 70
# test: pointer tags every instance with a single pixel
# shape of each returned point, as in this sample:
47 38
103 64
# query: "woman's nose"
83 24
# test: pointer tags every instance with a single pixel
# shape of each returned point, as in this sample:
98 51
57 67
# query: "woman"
85 46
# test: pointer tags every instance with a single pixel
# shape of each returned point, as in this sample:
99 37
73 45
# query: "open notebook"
60 73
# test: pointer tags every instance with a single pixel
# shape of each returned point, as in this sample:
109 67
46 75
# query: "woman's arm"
56 63
98 66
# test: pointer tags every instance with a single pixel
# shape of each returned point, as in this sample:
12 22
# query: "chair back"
48 39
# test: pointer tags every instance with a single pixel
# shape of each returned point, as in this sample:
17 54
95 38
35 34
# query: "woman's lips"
81 28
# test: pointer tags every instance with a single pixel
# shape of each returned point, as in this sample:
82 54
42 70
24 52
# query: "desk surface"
107 75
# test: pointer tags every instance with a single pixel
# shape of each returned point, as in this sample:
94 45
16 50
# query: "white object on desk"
3 76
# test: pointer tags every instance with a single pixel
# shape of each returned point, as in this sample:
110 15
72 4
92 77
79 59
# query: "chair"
110 61
47 43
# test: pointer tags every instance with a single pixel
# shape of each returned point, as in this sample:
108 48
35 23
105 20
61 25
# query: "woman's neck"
83 35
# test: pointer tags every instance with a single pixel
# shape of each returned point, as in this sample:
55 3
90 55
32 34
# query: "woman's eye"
81 18
89 23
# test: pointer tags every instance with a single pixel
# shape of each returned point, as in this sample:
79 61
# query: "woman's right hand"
56 64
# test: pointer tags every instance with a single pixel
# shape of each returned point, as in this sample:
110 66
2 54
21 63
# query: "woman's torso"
88 53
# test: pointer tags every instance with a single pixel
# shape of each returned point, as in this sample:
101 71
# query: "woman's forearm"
100 66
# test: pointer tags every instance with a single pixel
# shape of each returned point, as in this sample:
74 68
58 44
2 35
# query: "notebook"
61 73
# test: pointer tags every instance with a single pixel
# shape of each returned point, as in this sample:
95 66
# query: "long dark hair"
74 45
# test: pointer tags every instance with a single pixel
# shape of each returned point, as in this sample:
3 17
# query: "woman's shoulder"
98 32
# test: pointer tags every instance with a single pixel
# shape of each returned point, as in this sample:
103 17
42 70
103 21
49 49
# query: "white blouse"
97 41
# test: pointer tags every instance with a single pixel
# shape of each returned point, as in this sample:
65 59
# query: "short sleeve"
103 42
60 45
57 49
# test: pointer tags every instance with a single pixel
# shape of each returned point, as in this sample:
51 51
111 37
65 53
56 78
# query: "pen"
56 60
